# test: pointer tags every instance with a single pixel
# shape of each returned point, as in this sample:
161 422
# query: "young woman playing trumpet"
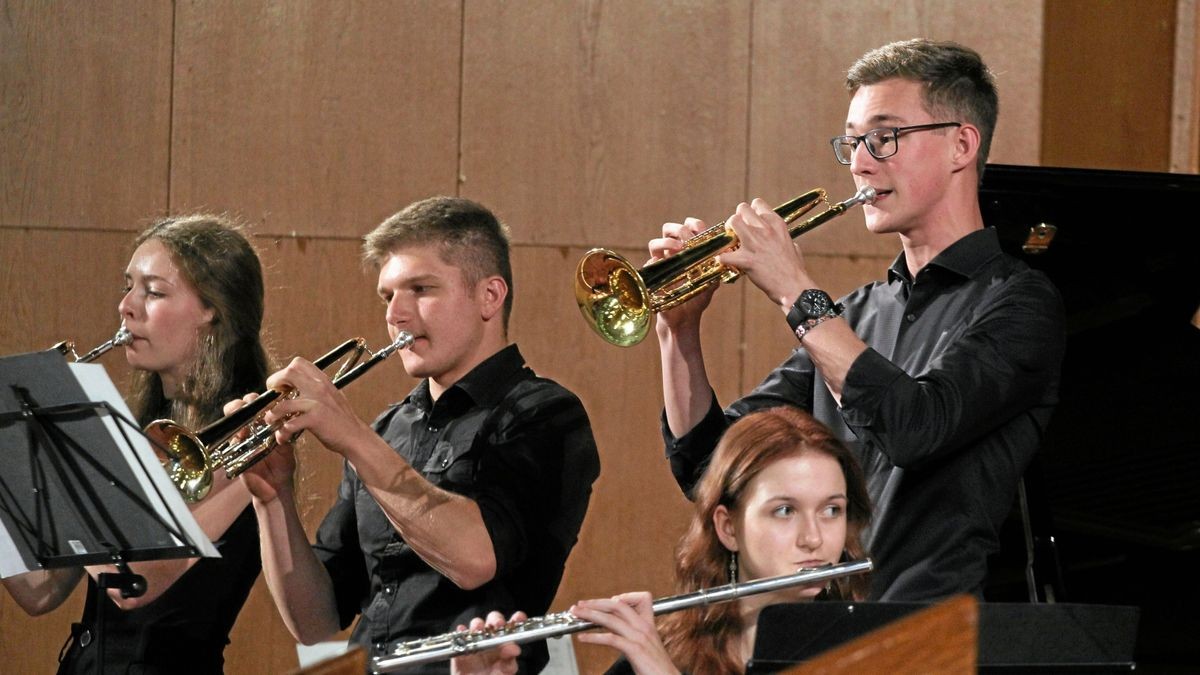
193 302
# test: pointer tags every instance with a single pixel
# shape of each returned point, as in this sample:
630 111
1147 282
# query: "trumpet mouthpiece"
404 340
866 194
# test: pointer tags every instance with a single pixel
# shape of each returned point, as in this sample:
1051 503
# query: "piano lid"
1122 455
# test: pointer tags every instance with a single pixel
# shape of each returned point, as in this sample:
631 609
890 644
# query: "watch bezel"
815 303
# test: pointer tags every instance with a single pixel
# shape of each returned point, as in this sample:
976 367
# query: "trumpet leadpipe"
449 645
120 339
617 299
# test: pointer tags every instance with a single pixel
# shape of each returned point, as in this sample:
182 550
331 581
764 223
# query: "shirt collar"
962 257
485 385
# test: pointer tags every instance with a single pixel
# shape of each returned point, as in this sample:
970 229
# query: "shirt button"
379 646
433 429
387 590
445 462
911 317
85 638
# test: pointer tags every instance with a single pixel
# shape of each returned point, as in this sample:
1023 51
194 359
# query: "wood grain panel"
939 639
1185 94
316 118
85 104
799 100
61 285
1108 84
609 119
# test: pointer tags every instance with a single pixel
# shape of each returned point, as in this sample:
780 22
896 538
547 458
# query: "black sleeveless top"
184 630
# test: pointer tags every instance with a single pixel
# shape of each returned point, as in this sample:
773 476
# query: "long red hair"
705 640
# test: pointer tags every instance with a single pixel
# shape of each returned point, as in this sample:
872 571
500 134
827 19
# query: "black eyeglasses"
881 142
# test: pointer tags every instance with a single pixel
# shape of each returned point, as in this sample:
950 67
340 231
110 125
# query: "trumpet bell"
612 297
184 457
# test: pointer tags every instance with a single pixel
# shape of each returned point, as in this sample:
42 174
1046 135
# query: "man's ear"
492 293
966 146
723 524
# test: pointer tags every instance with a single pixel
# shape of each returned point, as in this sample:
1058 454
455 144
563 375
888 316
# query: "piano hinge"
1039 238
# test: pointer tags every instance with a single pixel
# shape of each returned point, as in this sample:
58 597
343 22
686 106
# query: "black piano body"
1114 496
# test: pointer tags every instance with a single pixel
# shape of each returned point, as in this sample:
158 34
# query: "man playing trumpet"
941 378
465 496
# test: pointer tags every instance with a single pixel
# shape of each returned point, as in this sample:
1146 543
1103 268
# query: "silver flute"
449 645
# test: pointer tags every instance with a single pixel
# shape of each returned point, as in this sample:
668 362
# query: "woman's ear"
724 526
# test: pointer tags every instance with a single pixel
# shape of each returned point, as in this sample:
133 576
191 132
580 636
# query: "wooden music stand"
940 639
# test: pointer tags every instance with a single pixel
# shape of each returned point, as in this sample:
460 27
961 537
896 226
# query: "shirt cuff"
868 383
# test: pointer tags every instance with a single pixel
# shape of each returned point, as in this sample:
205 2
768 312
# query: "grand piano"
1111 508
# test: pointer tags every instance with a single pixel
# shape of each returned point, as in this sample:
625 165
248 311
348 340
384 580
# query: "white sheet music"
99 387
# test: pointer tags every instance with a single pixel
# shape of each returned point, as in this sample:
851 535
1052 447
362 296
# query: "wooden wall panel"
1108 84
609 119
84 112
1185 95
314 118
58 284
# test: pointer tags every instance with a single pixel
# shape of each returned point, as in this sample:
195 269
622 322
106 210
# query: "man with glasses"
942 377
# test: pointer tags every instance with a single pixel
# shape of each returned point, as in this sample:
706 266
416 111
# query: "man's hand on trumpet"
686 315
317 406
275 472
767 254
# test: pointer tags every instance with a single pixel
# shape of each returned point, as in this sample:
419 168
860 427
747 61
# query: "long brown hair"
706 639
221 265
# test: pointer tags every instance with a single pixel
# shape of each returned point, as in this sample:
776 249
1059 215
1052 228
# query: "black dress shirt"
518 445
944 410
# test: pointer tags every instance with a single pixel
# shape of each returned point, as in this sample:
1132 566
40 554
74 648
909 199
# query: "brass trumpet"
120 339
191 458
617 300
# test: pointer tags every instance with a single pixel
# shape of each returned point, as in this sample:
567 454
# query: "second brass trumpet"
617 299
190 458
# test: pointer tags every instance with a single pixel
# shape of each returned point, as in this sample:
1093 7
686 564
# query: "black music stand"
1027 638
79 484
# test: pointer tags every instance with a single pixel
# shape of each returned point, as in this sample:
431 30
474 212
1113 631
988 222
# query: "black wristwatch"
810 309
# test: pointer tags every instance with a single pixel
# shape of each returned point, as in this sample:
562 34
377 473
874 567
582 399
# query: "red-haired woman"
781 493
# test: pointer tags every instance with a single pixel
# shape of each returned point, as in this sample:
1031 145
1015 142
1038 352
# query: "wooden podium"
940 639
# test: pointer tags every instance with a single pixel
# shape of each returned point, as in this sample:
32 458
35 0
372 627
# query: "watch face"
815 303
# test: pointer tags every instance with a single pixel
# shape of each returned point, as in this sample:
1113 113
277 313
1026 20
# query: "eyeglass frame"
896 133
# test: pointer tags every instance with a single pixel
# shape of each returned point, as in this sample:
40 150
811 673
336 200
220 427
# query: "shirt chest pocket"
452 462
